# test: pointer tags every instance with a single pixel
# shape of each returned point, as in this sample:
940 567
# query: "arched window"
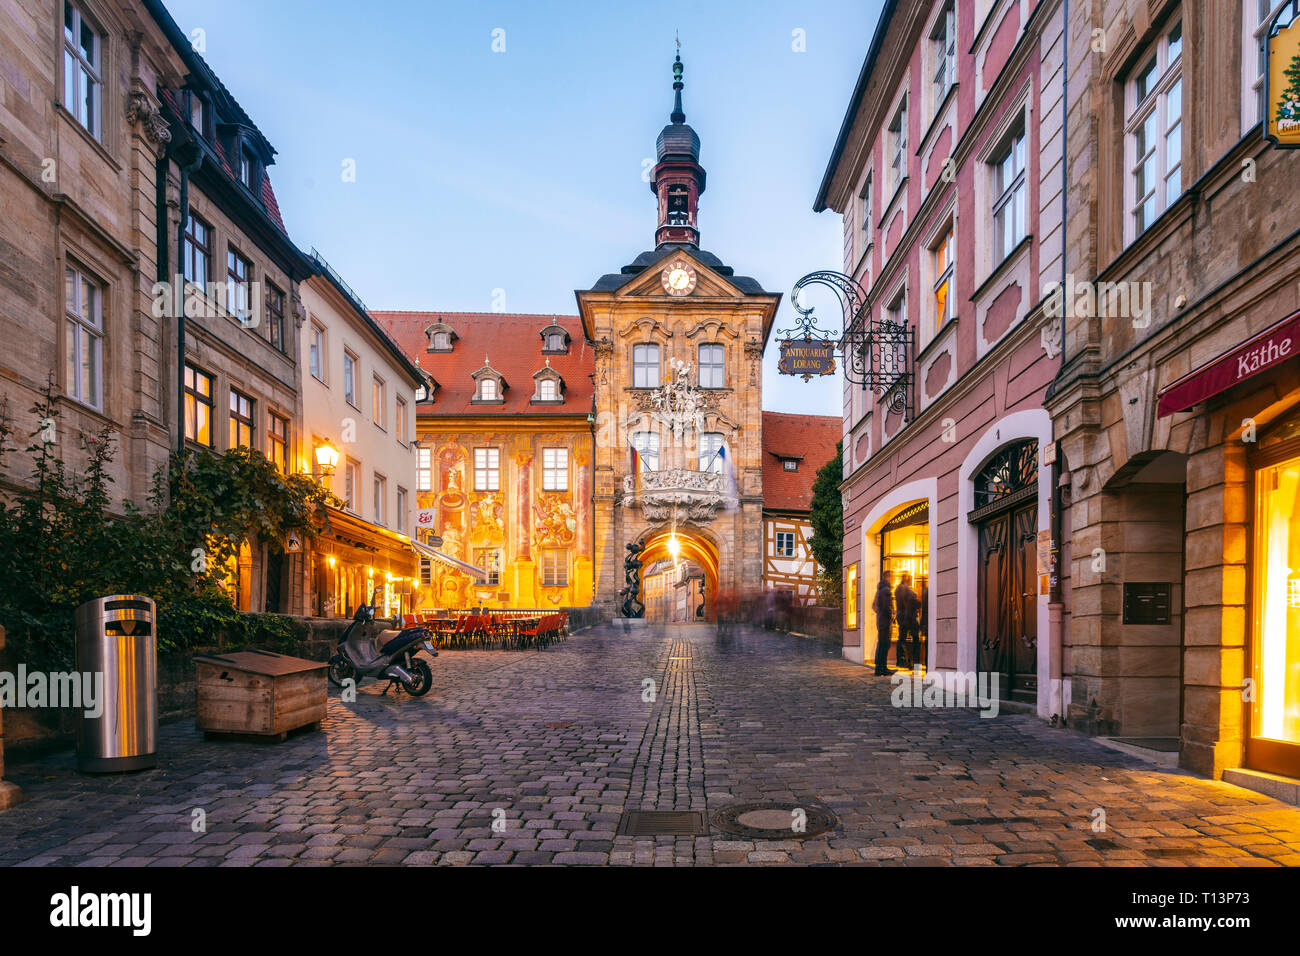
1011 470
487 389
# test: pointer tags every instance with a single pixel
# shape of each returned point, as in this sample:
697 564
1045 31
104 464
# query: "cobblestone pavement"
553 746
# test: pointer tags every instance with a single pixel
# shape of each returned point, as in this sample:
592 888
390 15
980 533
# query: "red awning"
1271 347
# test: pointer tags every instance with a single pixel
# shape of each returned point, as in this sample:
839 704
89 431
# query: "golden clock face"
678 278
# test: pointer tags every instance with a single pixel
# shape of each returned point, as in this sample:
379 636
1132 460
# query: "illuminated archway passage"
672 564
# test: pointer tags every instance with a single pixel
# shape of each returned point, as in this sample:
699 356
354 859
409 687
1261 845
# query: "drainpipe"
1056 602
189 157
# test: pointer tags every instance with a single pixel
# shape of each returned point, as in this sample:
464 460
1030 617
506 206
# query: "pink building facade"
948 175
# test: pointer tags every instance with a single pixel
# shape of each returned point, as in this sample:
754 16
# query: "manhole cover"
663 823
774 821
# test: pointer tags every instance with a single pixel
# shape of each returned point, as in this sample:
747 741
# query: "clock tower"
678 338
678 179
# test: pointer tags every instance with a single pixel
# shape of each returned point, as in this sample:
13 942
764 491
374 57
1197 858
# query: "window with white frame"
647 447
351 483
424 469
943 51
785 544
864 211
487 469
711 454
555 568
399 516
943 252
1009 195
350 379
488 390
898 146
82 63
238 273
548 390
713 365
381 496
1153 141
489 560
195 256
645 366
84 310
316 352
555 469
399 423
1255 16
378 401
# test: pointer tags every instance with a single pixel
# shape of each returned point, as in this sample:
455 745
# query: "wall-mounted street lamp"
327 456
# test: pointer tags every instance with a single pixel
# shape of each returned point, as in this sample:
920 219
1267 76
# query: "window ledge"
1003 266
88 136
894 198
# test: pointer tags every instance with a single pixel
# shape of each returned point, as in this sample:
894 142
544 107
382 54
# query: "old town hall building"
549 444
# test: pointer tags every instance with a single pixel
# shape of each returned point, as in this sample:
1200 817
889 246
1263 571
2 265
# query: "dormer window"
550 386
199 115
427 391
489 386
555 340
440 337
248 169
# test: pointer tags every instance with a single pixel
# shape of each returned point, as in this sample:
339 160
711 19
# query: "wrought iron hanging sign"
806 357
1282 77
876 354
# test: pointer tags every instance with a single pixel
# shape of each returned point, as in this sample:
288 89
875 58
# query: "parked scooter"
366 649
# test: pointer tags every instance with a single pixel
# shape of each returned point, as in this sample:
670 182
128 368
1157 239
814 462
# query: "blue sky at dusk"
522 170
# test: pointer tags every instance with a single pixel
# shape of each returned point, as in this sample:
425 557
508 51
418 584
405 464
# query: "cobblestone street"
558 744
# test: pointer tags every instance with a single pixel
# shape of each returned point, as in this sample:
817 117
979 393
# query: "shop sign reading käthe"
1271 347
1282 77
806 357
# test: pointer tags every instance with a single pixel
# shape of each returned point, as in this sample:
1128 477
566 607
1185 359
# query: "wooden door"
1007 632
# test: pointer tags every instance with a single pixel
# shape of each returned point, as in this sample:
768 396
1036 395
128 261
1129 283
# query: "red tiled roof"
511 343
810 438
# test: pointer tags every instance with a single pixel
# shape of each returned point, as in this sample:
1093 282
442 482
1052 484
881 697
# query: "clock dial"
678 279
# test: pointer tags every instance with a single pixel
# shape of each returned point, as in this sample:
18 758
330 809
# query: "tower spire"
678 179
678 116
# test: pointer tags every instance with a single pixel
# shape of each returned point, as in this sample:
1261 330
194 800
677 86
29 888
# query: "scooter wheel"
341 669
422 679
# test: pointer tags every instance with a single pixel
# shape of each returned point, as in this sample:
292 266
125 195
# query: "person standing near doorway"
883 605
907 606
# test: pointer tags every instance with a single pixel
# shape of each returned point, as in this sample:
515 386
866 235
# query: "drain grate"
559 724
663 823
774 821
1171 851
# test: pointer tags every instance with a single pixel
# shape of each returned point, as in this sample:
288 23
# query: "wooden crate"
258 693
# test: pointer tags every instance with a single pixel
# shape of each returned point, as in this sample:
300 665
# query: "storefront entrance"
1006 517
1274 741
905 550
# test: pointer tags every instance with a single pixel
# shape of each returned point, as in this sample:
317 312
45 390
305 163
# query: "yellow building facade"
503 458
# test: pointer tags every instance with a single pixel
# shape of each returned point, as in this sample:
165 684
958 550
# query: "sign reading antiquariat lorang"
1282 77
806 357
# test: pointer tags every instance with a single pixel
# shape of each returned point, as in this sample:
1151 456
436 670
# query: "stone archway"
694 550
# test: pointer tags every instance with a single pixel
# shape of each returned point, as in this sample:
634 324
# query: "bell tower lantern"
678 178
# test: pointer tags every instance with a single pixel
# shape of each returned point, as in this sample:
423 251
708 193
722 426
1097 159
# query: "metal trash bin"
116 638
